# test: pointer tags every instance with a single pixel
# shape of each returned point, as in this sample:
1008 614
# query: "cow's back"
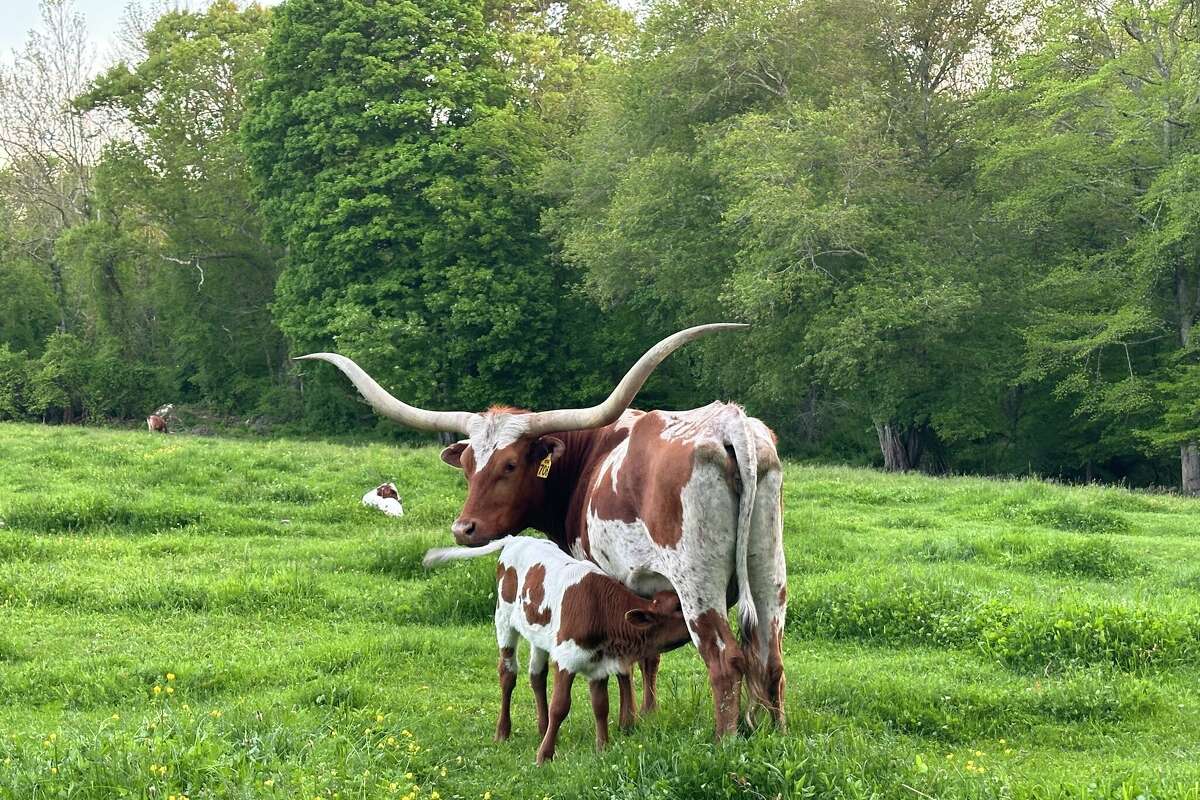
669 486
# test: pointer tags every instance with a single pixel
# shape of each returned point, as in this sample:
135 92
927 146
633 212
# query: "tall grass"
222 619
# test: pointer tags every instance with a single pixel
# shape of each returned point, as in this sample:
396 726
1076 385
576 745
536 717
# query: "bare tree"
48 148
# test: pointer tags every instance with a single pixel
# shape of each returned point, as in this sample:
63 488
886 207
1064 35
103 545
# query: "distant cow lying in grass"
572 612
386 499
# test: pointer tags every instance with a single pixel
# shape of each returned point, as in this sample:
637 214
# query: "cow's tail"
741 439
440 555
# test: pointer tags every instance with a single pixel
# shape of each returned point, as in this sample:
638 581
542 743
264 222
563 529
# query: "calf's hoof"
543 756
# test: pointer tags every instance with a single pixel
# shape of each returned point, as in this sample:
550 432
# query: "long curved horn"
390 407
573 419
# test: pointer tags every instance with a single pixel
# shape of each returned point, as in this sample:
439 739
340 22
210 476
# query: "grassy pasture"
209 618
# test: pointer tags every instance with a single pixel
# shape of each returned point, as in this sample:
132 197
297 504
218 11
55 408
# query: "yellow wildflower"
391 740
116 716
157 689
379 717
170 690
268 782
54 770
170 676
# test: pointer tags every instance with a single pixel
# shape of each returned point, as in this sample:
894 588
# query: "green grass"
946 638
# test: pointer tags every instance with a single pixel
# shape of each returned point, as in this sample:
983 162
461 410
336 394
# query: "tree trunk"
1189 457
901 448
1189 452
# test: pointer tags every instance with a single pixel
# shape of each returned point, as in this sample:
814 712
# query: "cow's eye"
509 467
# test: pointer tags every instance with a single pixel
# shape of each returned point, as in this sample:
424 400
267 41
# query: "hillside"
221 618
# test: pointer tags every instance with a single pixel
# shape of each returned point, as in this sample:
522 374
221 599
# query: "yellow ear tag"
544 468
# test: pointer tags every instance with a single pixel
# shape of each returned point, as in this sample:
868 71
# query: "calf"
572 612
386 499
156 424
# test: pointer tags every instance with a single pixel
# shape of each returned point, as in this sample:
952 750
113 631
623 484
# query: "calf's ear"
452 455
640 618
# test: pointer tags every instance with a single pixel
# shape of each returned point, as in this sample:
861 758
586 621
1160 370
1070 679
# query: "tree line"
966 232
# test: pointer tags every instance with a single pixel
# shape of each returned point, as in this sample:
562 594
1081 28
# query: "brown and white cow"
683 500
570 611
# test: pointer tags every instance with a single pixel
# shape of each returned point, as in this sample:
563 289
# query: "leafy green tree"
1096 158
176 265
396 156
14 377
737 164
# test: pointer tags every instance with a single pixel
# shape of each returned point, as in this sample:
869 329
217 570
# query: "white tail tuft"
440 555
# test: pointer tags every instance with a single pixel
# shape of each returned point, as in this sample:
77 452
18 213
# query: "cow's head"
505 446
506 470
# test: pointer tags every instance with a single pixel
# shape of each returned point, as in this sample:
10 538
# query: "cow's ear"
640 618
547 446
452 455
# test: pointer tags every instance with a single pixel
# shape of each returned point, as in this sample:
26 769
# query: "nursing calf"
572 613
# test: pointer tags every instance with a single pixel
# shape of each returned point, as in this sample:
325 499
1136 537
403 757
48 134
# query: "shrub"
14 379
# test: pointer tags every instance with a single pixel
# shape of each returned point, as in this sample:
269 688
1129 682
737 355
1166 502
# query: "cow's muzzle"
464 532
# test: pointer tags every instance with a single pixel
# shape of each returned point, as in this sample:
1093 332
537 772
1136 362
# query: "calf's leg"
599 692
625 685
538 667
507 668
650 683
560 706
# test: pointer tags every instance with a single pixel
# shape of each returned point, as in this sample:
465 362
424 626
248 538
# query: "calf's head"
662 623
506 446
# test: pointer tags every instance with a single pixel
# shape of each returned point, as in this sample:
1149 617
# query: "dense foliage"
965 231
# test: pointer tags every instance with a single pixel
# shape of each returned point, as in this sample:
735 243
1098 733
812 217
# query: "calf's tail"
439 555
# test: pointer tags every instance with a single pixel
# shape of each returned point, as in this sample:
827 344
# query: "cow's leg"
538 667
599 692
763 647
714 639
559 708
650 683
625 692
700 569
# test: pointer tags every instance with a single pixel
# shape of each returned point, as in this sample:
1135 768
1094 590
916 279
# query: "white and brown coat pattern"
573 614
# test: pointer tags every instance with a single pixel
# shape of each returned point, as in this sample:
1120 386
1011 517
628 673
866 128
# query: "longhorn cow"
683 500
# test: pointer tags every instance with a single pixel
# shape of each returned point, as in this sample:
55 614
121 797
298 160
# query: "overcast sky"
21 15
103 19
